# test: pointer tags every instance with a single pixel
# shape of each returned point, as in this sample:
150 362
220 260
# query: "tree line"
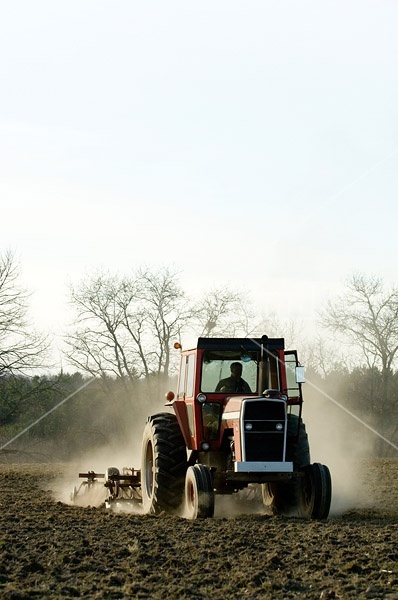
122 340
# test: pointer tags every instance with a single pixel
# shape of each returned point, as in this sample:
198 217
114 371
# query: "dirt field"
49 549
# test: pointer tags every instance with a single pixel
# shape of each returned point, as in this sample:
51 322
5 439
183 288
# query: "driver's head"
236 370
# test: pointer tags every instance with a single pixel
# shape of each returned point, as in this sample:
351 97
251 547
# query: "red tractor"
236 422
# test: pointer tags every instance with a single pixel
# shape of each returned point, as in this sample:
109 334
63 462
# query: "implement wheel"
113 486
199 492
163 464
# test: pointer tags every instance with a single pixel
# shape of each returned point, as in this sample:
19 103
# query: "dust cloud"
343 444
121 421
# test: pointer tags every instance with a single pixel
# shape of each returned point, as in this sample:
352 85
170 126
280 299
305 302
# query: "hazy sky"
253 144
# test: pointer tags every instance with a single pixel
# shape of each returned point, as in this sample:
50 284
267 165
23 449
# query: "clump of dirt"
49 549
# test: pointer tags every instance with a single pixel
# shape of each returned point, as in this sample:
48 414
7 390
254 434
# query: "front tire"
199 493
267 494
163 464
285 497
316 492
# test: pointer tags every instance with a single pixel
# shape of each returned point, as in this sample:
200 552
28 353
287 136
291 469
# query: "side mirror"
300 375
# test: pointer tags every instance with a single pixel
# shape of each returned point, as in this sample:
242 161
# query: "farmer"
234 383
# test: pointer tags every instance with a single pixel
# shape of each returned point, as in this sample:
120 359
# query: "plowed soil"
49 549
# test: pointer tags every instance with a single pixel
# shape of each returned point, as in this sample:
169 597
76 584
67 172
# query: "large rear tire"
316 492
199 492
163 464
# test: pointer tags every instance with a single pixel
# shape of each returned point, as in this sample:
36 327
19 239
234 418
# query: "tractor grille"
264 441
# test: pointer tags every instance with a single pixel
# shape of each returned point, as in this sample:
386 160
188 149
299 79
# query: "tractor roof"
247 344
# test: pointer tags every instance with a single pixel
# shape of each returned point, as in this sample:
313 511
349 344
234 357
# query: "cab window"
187 375
217 367
291 363
190 376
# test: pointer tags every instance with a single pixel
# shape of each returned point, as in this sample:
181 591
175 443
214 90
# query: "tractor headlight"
248 426
201 398
205 446
279 426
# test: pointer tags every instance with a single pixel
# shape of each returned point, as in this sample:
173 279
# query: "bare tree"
271 325
125 325
167 312
21 348
97 344
323 358
367 316
223 312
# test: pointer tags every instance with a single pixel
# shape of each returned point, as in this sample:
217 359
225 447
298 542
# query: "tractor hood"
259 428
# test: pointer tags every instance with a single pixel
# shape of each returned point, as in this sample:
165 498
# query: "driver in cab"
234 384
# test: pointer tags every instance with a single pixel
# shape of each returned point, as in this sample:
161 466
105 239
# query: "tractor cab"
219 372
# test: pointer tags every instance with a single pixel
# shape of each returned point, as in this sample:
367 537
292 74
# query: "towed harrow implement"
120 487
